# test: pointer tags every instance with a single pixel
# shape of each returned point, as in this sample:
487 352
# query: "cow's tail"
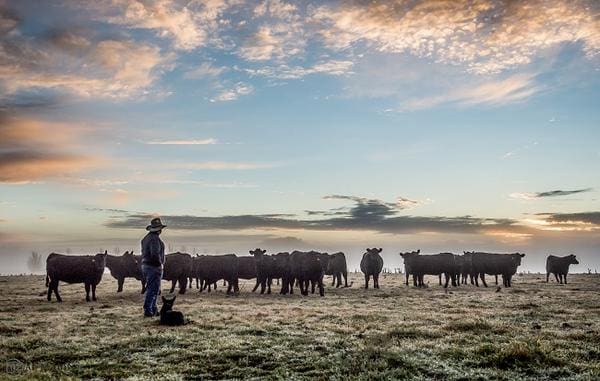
47 280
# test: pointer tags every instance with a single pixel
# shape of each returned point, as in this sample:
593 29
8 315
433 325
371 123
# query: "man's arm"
156 252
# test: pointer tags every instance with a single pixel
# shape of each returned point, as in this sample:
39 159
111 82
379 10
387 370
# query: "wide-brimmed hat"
155 225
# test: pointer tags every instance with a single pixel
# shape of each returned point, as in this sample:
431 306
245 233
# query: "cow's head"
99 261
372 253
410 254
573 260
257 253
516 258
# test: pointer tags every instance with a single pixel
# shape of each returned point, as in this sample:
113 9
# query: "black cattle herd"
299 269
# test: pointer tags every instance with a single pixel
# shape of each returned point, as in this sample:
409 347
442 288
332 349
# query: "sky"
328 125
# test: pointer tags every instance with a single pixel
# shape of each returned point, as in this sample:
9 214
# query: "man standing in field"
153 259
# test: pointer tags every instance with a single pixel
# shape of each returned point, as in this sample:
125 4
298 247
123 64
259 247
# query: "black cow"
86 269
493 264
337 267
212 268
125 266
559 266
269 267
307 268
435 264
177 268
371 265
408 261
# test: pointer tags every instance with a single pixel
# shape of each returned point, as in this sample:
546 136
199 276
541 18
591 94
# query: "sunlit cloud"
484 36
233 93
332 67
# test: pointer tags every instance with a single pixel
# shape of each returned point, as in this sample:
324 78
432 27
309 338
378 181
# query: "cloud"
515 88
170 19
26 166
484 36
68 63
28 153
224 165
280 35
184 142
591 218
238 90
554 193
364 215
331 67
205 70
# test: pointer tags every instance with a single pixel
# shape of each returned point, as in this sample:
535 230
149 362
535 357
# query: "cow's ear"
264 251
105 252
401 254
379 250
251 252
522 255
419 251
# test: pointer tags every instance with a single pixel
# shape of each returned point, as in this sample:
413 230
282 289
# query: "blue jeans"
153 276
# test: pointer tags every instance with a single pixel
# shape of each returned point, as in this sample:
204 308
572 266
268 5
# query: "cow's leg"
173 283
50 289
407 276
321 288
440 279
263 286
183 284
547 277
565 275
560 276
482 275
94 292
415 280
120 282
345 275
269 283
366 281
339 280
496 275
258 283
223 282
447 279
376 281
556 276
54 286
87 291
312 286
333 280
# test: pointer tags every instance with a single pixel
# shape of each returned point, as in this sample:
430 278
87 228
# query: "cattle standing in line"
337 267
559 266
306 268
125 266
212 268
177 269
371 265
493 264
86 269
435 264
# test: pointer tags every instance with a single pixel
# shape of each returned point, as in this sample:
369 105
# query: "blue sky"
289 125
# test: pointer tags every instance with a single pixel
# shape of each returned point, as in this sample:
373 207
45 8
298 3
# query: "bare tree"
34 262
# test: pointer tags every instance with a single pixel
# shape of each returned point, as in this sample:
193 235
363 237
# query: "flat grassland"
531 331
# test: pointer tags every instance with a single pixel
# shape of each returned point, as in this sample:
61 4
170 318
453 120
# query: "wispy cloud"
233 93
553 193
513 89
208 141
331 67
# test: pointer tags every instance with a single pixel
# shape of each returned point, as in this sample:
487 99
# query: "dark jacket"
153 250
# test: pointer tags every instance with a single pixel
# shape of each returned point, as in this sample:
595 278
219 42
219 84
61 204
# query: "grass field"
533 331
